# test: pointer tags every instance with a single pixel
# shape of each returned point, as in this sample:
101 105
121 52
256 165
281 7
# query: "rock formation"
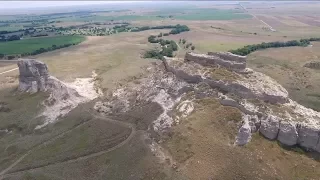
313 65
64 97
265 104
33 75
216 59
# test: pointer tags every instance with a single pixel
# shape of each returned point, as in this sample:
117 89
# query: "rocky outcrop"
288 134
265 104
255 85
33 75
313 65
244 133
64 97
270 127
212 60
229 56
309 137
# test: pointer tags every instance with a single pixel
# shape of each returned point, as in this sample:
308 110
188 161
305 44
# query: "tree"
192 48
13 38
183 41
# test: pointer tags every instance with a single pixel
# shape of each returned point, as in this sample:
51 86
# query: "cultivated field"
31 45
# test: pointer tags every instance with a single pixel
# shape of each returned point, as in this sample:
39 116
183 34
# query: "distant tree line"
9 38
38 51
42 50
176 29
251 48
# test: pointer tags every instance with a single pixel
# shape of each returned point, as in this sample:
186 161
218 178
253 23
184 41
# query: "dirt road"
9 71
80 158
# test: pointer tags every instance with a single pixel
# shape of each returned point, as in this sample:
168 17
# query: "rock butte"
265 104
34 77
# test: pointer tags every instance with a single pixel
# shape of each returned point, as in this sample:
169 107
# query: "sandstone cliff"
63 97
265 104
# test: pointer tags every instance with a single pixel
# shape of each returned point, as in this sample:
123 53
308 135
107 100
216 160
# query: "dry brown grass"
203 146
285 65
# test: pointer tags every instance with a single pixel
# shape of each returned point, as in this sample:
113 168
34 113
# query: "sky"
35 4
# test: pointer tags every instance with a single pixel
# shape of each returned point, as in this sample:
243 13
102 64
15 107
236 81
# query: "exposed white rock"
270 127
309 137
185 108
167 103
66 96
254 123
206 60
244 133
262 100
288 134
265 87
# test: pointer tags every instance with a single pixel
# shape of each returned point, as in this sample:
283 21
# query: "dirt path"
39 146
245 9
128 125
8 71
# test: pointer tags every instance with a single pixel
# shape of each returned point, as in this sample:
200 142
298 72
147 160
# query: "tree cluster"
38 51
9 38
183 41
175 29
42 50
251 48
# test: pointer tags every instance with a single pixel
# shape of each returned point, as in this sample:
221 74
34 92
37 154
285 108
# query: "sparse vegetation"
167 47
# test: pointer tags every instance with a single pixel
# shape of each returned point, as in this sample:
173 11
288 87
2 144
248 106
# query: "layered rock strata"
265 104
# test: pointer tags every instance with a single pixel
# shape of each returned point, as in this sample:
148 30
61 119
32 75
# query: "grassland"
286 66
87 139
202 146
30 45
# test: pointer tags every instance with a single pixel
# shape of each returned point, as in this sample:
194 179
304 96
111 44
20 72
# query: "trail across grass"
30 45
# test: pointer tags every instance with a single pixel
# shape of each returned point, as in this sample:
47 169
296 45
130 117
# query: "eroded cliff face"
63 97
265 104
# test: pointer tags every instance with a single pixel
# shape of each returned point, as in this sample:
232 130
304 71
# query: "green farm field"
30 45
